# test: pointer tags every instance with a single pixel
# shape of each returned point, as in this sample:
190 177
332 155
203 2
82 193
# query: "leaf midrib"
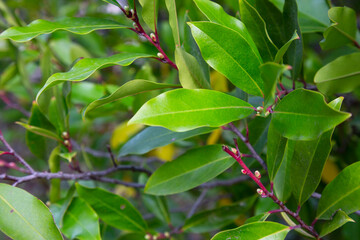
340 77
79 223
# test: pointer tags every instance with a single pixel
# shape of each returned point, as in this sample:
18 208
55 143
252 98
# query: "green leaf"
190 170
339 219
341 193
294 55
54 167
258 218
24 217
40 131
74 25
114 2
59 208
220 46
304 115
342 31
69 156
86 67
128 89
308 160
192 111
280 54
217 218
339 76
149 12
190 73
271 73
257 28
255 231
81 222
154 137
112 209
215 13
173 20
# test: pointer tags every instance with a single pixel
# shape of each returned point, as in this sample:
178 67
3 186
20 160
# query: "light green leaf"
339 76
220 46
280 54
81 222
192 111
128 89
86 67
24 217
113 209
190 73
258 218
173 20
341 193
69 156
336 222
149 12
153 137
215 13
342 31
304 115
74 25
190 170
271 73
40 131
255 231
257 28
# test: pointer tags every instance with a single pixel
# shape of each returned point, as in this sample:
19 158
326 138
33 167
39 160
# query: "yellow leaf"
123 132
165 153
219 82
330 171
214 137
126 192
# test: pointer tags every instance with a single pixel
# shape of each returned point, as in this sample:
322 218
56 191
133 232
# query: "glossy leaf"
24 217
112 209
215 13
173 20
81 222
192 111
217 218
190 74
339 76
185 173
339 219
342 31
219 46
86 67
255 231
149 12
153 137
294 55
280 54
304 115
74 25
308 160
312 15
271 73
342 193
130 88
257 28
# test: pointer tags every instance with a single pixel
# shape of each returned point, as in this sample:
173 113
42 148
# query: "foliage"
192 119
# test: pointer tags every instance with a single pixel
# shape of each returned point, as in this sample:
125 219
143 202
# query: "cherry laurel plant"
246 96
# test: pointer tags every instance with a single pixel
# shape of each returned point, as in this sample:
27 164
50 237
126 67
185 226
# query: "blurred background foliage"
24 68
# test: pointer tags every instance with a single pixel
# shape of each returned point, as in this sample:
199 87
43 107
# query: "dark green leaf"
190 170
74 25
86 67
339 219
280 54
220 46
130 88
304 115
153 137
192 111
81 222
112 209
24 217
342 31
257 28
173 20
341 193
255 231
339 76
190 73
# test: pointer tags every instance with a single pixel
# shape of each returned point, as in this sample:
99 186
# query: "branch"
13 105
248 145
197 203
